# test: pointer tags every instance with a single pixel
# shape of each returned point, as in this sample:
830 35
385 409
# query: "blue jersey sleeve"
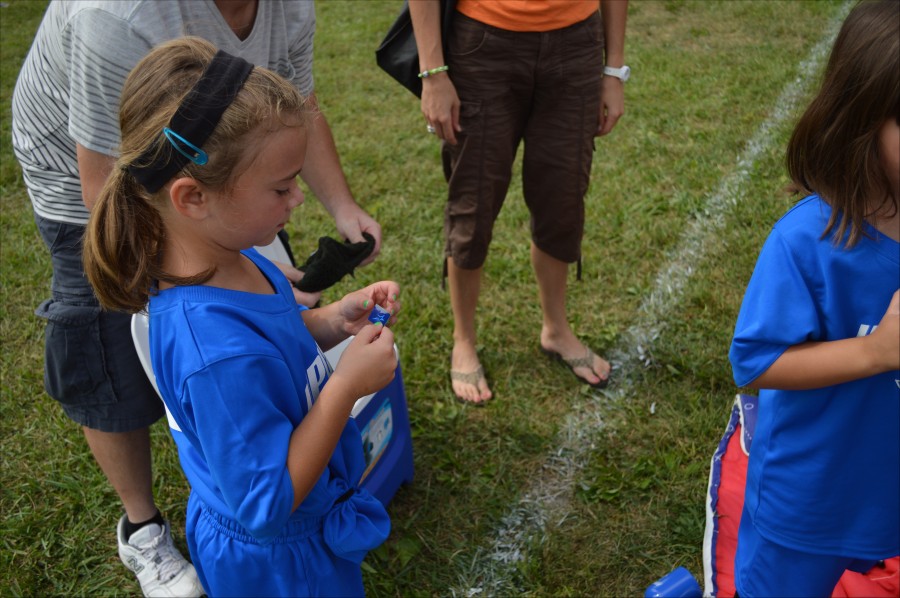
778 312
244 434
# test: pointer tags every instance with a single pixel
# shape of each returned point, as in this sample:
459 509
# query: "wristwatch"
622 73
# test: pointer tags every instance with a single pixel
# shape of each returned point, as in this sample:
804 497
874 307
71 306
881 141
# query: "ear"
189 199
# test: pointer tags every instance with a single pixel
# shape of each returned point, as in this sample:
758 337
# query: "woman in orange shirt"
547 73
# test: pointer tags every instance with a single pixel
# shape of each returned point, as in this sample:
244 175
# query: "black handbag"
398 56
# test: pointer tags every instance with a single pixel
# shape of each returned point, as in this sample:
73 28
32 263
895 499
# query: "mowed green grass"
706 76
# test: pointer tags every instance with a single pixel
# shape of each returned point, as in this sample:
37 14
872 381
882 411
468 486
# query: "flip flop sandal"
578 362
471 378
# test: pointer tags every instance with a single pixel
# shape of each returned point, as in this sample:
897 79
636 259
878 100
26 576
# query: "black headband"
193 122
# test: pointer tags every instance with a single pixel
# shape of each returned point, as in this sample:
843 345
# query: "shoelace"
166 568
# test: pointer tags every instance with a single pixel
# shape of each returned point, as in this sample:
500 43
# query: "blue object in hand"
677 584
379 314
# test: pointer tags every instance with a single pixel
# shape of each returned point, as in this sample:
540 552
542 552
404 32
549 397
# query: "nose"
297 197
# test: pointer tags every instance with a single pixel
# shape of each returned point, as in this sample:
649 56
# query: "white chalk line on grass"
492 569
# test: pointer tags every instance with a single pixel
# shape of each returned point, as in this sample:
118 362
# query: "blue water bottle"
677 584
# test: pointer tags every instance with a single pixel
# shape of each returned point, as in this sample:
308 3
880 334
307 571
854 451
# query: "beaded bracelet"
433 71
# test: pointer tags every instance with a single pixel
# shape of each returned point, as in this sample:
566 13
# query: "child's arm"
334 322
367 365
820 364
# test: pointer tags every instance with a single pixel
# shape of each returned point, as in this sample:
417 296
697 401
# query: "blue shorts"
90 365
229 562
763 568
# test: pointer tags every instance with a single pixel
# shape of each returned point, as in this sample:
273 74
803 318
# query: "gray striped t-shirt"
68 89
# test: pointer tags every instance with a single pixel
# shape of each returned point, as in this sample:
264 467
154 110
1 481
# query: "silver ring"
430 129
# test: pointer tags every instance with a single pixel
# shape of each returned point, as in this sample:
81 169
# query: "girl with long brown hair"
211 149
819 333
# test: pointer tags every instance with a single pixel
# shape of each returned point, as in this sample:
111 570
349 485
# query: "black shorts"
90 364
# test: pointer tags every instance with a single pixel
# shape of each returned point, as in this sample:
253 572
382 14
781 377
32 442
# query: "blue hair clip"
197 155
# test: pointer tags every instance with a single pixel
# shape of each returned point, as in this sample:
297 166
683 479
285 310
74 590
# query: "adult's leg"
92 369
556 172
491 72
468 381
124 458
556 334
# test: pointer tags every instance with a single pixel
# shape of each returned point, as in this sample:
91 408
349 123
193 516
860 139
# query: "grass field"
684 192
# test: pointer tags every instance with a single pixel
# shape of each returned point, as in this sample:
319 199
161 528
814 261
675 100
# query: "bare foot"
587 366
467 375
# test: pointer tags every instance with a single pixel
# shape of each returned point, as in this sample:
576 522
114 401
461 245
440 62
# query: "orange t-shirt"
528 15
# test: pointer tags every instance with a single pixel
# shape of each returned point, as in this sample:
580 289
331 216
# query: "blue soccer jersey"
238 373
824 471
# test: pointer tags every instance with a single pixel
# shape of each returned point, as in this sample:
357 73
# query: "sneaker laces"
167 559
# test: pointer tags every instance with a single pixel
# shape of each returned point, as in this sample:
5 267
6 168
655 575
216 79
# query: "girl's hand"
355 307
368 363
884 340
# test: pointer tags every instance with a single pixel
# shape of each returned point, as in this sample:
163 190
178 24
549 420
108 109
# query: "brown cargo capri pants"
540 87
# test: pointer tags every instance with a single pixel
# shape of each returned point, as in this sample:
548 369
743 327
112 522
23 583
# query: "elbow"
741 380
754 385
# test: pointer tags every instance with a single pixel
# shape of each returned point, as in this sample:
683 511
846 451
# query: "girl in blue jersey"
211 149
818 334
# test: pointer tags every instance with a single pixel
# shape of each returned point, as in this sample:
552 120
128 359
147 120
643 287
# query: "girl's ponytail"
122 244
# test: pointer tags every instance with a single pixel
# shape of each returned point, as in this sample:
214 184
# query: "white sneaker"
160 568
